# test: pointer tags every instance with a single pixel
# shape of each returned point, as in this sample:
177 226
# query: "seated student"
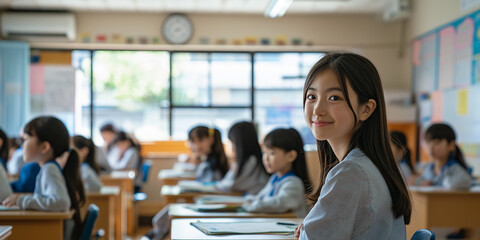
207 143
26 178
3 149
448 168
284 158
247 174
89 169
401 153
5 189
108 132
124 153
57 189
15 156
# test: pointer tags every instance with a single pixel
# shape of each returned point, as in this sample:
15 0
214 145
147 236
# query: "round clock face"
177 29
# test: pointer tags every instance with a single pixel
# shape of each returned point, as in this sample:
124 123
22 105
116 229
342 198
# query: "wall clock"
177 29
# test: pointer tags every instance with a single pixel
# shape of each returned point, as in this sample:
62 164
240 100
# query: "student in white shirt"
402 155
57 188
5 189
89 169
362 194
247 174
124 154
207 144
284 158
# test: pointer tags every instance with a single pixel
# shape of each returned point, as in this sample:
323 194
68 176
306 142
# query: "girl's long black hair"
217 157
372 135
287 140
244 138
81 142
52 130
400 140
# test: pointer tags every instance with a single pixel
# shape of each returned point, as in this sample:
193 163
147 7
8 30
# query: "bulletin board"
446 79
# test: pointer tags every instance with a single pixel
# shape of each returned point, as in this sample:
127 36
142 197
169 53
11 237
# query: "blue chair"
90 219
423 234
140 196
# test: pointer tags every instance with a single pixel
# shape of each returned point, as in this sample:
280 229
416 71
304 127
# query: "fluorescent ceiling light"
276 8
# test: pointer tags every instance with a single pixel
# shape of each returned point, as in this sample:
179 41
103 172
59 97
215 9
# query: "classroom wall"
369 35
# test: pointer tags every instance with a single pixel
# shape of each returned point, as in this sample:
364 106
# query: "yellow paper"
462 107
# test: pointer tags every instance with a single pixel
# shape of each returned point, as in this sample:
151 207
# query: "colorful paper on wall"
462 102
37 79
437 108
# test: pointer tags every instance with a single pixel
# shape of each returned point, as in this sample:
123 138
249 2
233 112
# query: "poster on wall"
424 58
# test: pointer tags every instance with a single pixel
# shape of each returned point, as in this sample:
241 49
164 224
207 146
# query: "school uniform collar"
450 162
277 179
56 164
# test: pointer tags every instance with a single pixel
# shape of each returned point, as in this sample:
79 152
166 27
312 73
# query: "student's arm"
456 177
129 160
225 185
5 189
53 195
334 215
91 182
289 197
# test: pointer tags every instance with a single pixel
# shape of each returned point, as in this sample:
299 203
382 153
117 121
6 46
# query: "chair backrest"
146 169
90 219
423 234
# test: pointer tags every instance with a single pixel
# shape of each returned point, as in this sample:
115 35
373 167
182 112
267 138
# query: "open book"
194 186
240 227
214 207
217 199
14 208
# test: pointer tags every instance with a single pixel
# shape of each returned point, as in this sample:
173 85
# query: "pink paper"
37 79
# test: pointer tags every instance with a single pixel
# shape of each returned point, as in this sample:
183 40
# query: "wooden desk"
105 200
178 210
5 232
35 224
124 221
182 230
171 176
442 208
172 194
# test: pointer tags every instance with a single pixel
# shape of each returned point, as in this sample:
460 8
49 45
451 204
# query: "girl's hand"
426 183
11 200
297 230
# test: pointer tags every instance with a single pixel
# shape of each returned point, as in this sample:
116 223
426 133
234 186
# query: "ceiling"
200 6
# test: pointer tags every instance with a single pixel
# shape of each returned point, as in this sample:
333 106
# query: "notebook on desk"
14 208
218 228
194 186
214 207
220 199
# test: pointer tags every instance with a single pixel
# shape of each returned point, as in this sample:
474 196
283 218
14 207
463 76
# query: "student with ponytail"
448 169
56 189
207 144
89 169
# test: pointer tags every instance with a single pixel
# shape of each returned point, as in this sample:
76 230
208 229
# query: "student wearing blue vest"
361 192
26 178
57 189
448 169
284 158
3 149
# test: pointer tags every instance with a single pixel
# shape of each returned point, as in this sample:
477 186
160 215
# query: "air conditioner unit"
396 10
38 26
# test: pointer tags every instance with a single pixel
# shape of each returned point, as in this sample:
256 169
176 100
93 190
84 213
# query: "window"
131 91
279 79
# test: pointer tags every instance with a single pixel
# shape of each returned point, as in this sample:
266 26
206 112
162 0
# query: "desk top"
182 230
126 174
105 191
176 174
176 191
32 214
5 231
178 210
433 190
